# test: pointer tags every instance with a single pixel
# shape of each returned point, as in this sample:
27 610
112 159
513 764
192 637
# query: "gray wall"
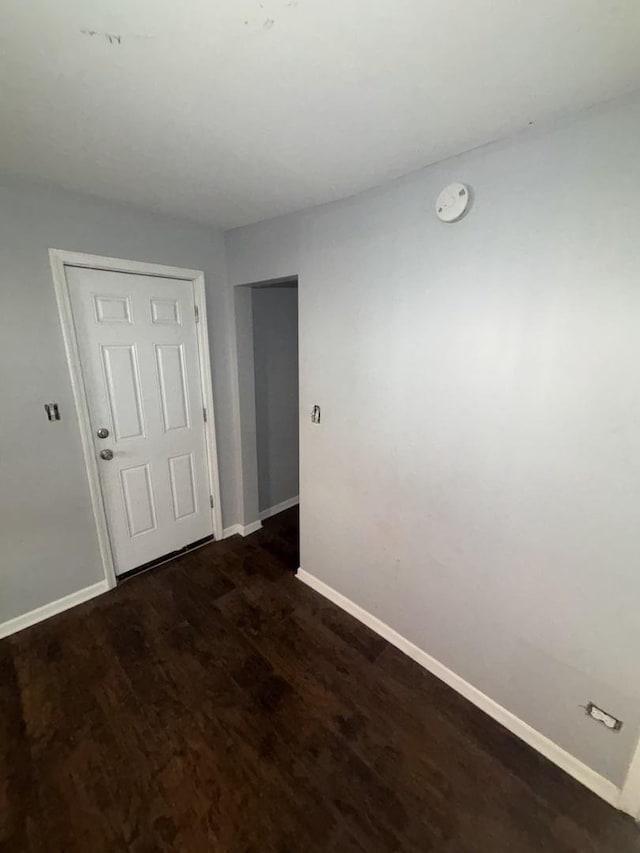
275 349
475 481
47 531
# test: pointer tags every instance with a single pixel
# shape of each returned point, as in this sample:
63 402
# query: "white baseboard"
567 762
47 610
630 795
274 510
248 529
241 529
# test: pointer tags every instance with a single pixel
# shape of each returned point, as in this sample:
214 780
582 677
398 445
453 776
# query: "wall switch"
53 413
601 716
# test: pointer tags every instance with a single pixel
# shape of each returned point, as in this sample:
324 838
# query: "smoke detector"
452 202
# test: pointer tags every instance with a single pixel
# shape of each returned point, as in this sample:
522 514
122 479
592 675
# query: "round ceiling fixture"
452 202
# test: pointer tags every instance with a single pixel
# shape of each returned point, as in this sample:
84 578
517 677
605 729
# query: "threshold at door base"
164 559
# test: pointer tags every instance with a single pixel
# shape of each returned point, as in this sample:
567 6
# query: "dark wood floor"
217 704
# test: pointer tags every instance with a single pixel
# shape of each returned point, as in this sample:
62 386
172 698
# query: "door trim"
59 259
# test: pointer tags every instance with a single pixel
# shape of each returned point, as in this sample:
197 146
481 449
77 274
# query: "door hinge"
211 501
204 414
197 313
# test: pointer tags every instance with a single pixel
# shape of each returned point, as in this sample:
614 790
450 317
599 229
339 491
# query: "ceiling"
232 111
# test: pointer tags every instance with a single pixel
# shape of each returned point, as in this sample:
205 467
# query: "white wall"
475 481
47 531
275 349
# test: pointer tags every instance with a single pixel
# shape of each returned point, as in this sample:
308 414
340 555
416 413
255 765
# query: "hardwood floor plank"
70 738
275 723
469 773
216 720
18 797
216 704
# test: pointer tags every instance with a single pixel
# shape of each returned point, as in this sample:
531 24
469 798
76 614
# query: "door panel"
138 499
173 388
140 366
112 309
165 311
183 486
121 372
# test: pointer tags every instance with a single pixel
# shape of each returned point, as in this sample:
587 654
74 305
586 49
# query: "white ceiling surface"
232 111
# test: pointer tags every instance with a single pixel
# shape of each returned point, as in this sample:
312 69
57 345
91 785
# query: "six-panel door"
138 349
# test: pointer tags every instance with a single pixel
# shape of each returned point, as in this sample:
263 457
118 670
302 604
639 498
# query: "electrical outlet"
601 716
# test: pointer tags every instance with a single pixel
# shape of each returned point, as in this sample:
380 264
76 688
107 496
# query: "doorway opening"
267 340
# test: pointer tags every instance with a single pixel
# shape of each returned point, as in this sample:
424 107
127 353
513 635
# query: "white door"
139 355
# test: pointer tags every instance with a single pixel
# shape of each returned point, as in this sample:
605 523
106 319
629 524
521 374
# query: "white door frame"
60 259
